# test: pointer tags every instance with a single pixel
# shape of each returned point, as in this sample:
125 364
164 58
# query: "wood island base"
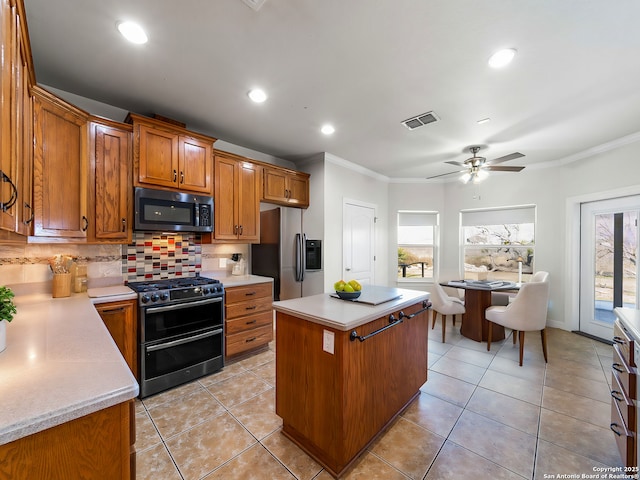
333 405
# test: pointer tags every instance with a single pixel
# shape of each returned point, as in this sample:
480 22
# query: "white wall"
343 180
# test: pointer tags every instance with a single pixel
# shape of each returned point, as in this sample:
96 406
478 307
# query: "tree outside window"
495 250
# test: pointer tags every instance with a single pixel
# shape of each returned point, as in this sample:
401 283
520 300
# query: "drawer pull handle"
613 429
619 340
251 322
252 339
248 294
113 310
253 307
618 368
616 397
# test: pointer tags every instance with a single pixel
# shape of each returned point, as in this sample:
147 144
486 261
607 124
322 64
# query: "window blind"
498 216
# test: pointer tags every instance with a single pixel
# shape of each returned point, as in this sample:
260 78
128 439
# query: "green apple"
355 285
348 288
339 285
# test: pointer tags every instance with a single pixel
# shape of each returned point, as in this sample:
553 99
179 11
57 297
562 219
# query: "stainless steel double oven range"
180 331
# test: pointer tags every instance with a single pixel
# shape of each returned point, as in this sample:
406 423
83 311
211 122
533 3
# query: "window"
416 233
498 243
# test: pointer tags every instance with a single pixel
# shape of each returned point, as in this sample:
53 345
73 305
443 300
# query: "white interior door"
358 242
609 234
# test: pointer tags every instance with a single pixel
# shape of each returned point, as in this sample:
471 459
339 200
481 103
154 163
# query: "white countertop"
60 363
345 315
631 319
236 280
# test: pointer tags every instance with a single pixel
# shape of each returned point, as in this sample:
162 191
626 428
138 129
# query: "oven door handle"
182 341
168 308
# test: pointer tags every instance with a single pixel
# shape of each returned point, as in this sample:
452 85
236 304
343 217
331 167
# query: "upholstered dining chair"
498 298
444 305
527 312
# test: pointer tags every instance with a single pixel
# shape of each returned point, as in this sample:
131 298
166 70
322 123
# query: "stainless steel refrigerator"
287 255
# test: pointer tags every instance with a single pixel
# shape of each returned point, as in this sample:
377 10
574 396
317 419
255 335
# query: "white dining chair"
444 305
527 312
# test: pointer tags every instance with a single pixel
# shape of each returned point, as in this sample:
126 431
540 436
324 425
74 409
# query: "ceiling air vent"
420 120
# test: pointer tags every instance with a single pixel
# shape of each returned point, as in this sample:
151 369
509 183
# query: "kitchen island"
346 370
67 393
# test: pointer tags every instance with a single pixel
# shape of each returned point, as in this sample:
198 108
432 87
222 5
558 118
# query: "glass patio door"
608 262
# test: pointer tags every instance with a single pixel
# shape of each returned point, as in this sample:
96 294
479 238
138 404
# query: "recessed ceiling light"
132 32
327 129
257 95
502 58
484 120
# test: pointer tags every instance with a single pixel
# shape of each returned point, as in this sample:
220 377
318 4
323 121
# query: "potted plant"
7 311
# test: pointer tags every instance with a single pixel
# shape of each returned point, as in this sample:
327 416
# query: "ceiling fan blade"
445 174
457 164
502 169
506 158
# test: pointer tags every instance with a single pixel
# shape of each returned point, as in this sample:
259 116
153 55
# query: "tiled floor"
479 415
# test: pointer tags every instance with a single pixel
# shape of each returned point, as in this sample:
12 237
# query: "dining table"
477 298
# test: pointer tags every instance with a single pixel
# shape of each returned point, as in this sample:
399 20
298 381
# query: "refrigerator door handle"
303 256
298 257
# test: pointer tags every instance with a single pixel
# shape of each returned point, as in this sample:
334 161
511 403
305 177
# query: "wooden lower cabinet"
333 405
623 394
121 321
94 447
248 318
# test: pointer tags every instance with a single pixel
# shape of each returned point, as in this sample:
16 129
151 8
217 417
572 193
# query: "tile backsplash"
154 256
160 256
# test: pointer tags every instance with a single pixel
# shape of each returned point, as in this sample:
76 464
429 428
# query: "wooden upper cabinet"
236 199
196 165
59 168
285 187
110 192
171 157
15 123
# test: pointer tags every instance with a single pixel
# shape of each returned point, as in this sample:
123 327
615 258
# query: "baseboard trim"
593 337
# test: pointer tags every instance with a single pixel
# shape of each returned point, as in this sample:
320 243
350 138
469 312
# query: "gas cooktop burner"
174 290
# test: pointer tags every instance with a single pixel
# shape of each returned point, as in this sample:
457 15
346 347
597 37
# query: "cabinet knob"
124 225
181 177
27 222
85 222
175 176
240 229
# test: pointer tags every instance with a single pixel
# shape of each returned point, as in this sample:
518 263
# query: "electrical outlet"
328 341
222 262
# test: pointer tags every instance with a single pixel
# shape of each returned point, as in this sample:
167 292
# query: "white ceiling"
363 66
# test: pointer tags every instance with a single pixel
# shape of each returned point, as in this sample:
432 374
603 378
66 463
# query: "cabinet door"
120 320
196 162
23 138
275 185
157 157
225 199
298 191
111 151
249 202
59 169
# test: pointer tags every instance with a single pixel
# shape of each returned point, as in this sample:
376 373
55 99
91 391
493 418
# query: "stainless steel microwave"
166 211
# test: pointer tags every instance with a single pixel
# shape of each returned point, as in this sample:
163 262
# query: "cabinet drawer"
248 292
624 340
625 440
626 374
249 322
626 406
241 342
248 307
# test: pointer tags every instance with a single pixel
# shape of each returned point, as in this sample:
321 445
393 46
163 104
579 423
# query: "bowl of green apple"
348 290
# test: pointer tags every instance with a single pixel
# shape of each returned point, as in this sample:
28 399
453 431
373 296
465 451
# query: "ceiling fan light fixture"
465 177
481 174
502 58
132 32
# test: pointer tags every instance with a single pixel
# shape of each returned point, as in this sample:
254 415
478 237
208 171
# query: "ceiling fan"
476 168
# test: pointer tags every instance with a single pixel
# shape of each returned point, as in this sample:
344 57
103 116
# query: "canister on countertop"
80 284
